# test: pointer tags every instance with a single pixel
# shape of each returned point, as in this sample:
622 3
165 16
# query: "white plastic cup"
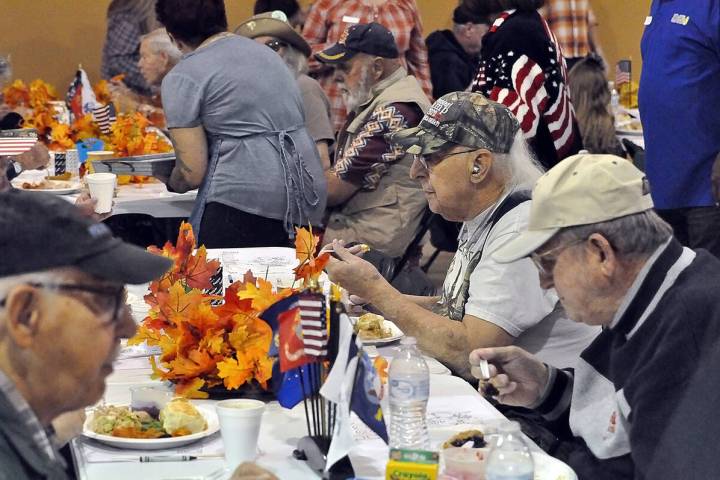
102 188
240 427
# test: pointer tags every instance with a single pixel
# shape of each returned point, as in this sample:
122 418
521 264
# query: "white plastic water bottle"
614 98
509 457
409 380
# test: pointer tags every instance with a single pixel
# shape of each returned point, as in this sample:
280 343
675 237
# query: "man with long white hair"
474 167
375 201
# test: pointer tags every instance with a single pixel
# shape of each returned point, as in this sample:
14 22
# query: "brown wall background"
48 38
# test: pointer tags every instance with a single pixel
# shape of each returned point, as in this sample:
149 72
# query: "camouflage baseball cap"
460 118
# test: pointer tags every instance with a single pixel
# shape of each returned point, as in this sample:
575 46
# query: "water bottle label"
406 390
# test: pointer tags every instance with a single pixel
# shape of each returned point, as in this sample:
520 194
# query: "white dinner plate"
156 443
73 187
395 333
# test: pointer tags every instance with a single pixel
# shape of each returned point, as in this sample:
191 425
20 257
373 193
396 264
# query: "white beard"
359 96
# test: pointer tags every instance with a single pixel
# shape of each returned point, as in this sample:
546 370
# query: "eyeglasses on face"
545 262
276 45
105 299
427 161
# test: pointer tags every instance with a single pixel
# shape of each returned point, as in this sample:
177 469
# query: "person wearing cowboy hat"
273 30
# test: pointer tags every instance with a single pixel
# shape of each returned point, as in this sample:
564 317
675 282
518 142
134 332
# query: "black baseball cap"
463 15
370 38
40 231
460 118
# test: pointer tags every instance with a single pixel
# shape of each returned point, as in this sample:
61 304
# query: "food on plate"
624 121
64 176
46 184
488 389
371 327
463 438
178 418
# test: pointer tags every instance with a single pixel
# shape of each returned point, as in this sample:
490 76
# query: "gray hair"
159 42
635 235
295 60
519 165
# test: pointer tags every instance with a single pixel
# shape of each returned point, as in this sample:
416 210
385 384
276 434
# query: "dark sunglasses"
276 45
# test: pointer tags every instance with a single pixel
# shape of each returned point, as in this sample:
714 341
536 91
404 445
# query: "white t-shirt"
509 295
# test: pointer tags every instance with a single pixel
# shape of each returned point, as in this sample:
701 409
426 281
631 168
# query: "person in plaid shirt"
573 23
329 19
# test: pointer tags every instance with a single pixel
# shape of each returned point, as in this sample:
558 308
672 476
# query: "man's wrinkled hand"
357 276
518 376
36 157
86 204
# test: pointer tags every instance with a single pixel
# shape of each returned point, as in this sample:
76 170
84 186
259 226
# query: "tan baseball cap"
580 190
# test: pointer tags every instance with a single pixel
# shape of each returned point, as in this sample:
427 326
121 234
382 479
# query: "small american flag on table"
313 324
105 116
623 72
18 141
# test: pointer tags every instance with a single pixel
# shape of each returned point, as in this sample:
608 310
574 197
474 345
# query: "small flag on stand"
314 324
16 142
80 97
105 116
623 72
291 345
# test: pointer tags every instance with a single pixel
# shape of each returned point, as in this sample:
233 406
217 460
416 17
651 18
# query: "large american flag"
16 142
313 324
529 91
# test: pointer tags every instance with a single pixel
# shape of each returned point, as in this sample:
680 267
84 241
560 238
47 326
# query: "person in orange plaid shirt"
329 19
573 23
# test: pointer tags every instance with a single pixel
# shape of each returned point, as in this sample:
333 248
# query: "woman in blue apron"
236 120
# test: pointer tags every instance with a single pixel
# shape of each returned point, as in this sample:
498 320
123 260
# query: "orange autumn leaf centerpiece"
311 265
205 345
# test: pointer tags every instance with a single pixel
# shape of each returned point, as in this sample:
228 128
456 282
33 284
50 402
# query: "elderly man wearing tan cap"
273 30
473 165
595 238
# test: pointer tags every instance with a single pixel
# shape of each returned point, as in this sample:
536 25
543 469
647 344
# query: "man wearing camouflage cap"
474 167
595 238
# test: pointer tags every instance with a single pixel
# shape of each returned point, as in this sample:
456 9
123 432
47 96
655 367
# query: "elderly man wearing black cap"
454 54
375 200
273 30
62 314
474 167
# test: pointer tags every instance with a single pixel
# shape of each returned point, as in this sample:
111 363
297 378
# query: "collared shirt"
570 21
329 19
122 51
679 100
370 155
41 437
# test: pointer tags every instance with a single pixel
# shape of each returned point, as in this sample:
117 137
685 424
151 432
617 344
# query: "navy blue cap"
370 38
40 231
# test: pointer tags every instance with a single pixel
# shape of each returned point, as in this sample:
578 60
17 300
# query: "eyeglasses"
104 300
545 262
436 158
276 45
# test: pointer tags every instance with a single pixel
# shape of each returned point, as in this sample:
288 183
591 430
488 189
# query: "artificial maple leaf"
262 365
185 242
204 318
305 244
312 269
17 93
177 303
381 366
235 372
195 364
262 296
260 335
41 93
214 342
238 336
191 388
197 270
145 334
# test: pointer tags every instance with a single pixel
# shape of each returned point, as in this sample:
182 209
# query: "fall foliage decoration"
205 345
311 265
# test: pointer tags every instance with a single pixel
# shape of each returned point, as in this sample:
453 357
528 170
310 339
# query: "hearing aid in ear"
476 169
